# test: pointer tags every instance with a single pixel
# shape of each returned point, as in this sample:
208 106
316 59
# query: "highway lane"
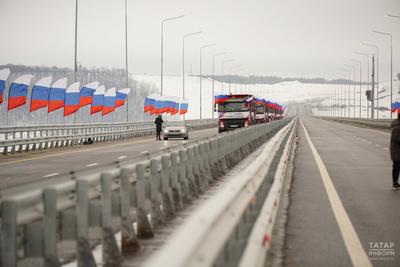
358 163
27 167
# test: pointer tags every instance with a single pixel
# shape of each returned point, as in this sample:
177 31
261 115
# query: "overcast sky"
306 38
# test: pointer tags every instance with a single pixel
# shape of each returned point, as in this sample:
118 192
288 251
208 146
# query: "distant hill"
237 79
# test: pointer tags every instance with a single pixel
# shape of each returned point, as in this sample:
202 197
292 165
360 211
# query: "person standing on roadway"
395 151
159 121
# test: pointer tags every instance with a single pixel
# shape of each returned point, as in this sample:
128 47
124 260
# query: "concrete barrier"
36 224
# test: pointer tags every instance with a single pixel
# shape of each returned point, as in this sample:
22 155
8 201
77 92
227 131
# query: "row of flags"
53 96
156 104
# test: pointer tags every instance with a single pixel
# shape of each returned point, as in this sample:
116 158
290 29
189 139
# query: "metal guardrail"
37 223
234 227
383 124
25 138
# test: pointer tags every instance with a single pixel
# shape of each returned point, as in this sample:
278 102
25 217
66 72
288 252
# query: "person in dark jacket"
395 151
159 121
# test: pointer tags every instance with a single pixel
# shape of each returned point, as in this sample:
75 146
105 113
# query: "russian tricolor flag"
159 105
395 107
109 101
4 73
221 98
175 108
98 99
19 91
72 99
40 94
149 103
57 94
121 97
86 93
183 109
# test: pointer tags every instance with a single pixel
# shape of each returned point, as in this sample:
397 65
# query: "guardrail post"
111 254
176 187
183 176
191 174
166 186
85 256
199 174
129 241
144 228
157 215
9 233
50 227
34 239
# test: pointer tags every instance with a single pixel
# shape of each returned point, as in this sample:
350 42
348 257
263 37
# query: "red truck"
235 111
261 111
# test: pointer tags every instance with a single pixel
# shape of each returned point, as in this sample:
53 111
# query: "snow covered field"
319 95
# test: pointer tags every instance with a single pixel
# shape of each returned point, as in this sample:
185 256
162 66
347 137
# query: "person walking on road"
395 151
159 121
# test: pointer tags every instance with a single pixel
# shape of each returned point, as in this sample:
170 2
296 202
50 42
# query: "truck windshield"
233 107
260 110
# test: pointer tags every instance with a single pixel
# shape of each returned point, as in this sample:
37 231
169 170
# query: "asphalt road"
28 167
358 164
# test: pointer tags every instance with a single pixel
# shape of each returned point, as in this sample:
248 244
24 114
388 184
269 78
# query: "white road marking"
377 145
144 152
386 148
51 175
351 240
93 164
122 157
369 142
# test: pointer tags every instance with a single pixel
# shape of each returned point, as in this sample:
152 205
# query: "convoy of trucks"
243 110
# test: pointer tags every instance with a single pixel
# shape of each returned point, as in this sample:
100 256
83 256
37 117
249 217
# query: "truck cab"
261 111
236 111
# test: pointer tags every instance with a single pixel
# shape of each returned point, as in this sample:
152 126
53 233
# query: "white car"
176 129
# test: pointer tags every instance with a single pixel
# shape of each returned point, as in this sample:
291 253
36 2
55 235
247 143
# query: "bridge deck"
25 168
358 163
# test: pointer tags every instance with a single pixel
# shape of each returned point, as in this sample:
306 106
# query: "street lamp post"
162 48
360 63
201 90
377 79
126 58
213 79
342 95
237 72
222 72
347 90
391 66
183 59
367 57
354 90
230 75
76 41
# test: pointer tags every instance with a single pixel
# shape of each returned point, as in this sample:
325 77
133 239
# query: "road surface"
23 168
358 165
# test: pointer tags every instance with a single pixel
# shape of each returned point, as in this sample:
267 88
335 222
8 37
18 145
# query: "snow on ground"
382 103
283 93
